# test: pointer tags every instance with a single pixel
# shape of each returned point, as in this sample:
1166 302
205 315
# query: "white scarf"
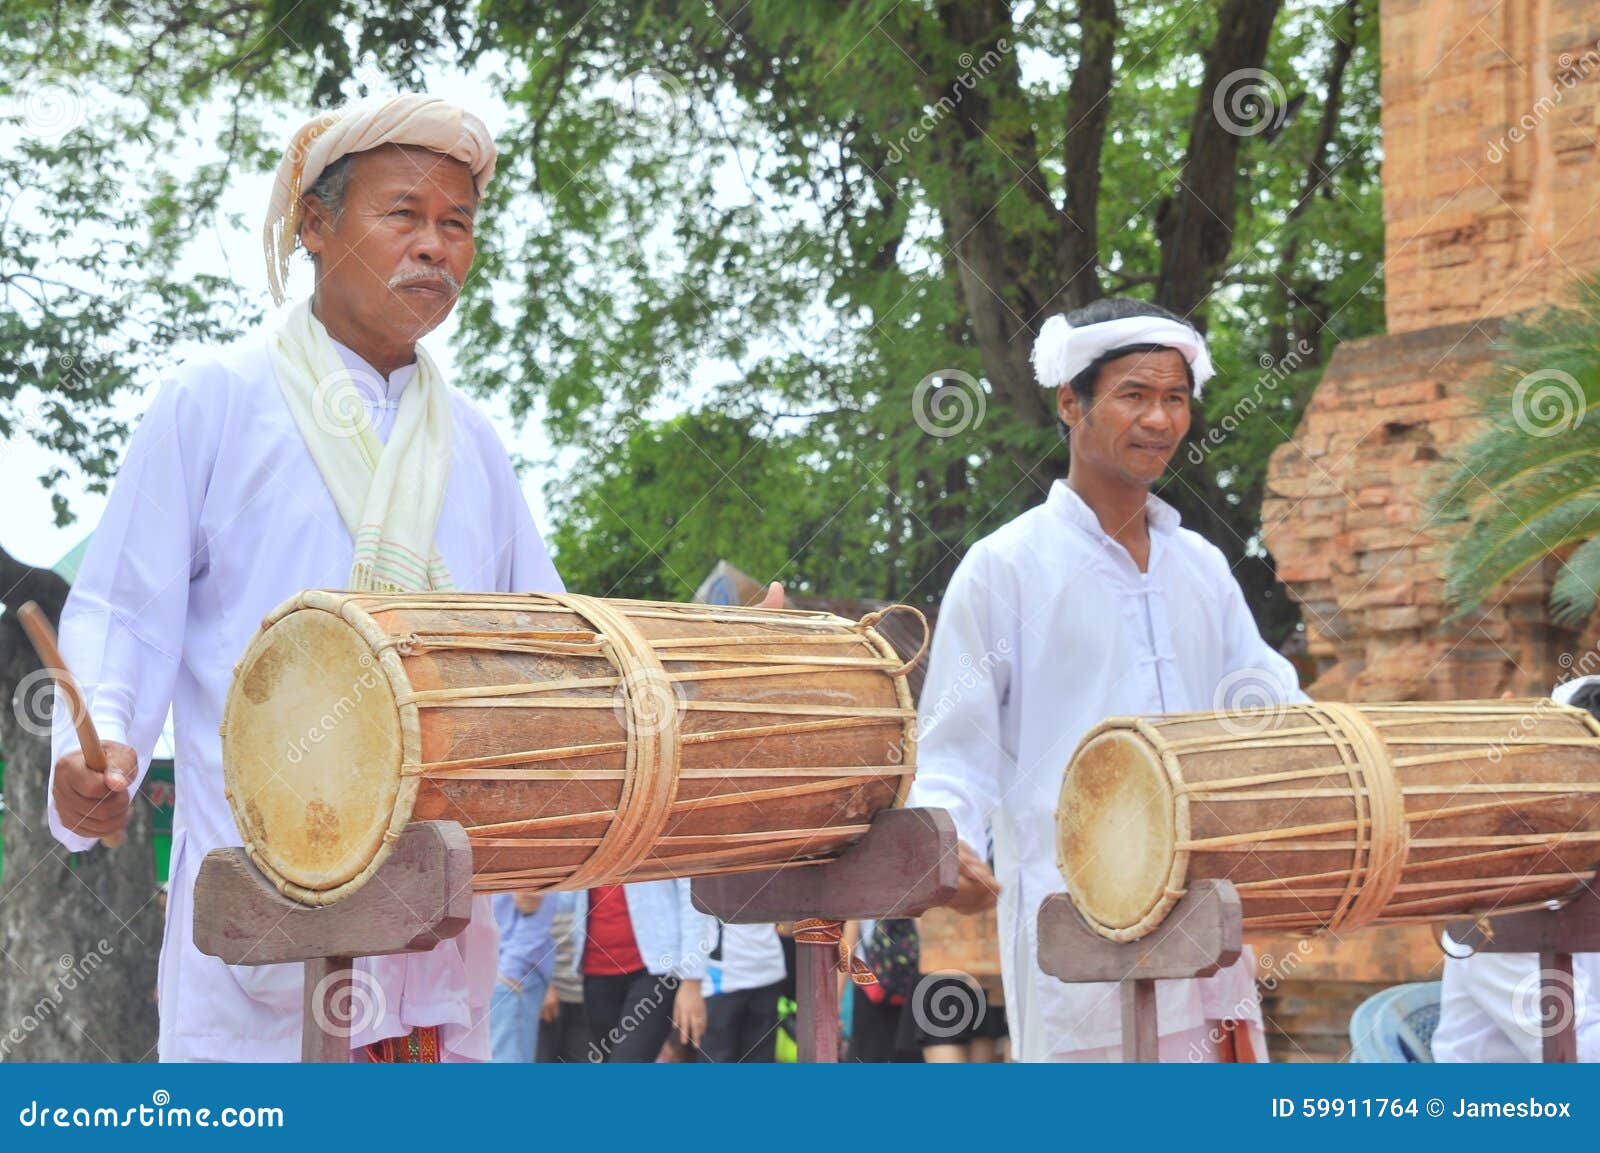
388 494
1062 351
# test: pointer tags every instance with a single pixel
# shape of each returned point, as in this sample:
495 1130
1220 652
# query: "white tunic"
1047 629
1489 1007
217 516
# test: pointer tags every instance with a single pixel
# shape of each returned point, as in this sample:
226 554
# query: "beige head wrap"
423 121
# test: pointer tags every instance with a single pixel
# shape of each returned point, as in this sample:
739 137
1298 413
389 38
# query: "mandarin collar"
370 381
1065 503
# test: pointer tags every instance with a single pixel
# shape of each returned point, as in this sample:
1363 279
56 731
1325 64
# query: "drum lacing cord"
873 618
821 931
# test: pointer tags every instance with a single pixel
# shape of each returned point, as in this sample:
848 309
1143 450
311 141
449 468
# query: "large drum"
580 741
1333 816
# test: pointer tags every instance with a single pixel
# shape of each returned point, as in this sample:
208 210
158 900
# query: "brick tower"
1491 182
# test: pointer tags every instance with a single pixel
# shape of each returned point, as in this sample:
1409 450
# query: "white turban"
423 121
1062 351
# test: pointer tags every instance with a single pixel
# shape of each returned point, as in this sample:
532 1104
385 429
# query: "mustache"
426 275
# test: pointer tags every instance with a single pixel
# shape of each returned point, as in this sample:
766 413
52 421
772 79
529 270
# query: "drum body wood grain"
580 741
1333 816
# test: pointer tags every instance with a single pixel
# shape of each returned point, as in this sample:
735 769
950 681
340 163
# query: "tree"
889 180
1528 485
822 217
78 932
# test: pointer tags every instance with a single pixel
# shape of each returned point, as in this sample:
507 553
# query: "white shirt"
1489 1007
219 515
1047 629
752 957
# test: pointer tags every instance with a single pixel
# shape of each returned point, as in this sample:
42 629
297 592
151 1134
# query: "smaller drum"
1333 816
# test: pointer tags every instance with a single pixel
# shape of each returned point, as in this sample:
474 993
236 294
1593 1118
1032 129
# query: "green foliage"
755 223
731 212
100 192
1528 486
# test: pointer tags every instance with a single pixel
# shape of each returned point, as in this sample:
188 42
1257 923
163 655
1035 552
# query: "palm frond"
1577 585
1528 484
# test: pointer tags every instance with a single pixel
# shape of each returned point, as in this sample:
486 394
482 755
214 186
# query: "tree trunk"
79 933
1195 222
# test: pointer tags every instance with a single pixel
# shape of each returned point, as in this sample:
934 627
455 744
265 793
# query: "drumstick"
37 626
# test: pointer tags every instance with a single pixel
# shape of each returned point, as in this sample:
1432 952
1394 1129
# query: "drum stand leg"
817 1004
421 895
1202 934
1554 934
905 865
329 994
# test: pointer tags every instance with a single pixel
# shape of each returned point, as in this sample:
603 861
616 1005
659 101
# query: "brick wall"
1490 173
1345 516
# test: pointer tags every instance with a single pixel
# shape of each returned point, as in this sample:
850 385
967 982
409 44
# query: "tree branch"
1195 224
1317 174
1088 111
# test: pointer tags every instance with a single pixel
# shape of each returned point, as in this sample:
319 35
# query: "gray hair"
331 186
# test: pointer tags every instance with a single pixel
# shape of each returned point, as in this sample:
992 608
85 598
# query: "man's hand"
689 1012
527 903
977 889
774 597
92 803
551 1009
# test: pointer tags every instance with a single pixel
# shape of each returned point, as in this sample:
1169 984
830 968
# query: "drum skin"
580 741
1333 816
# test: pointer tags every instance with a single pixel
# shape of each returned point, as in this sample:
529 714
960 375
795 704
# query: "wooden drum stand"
1203 933
905 864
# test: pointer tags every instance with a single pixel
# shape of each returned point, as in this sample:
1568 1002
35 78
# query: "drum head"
333 781
1115 839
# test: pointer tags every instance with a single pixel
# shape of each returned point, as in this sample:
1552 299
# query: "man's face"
1139 416
397 257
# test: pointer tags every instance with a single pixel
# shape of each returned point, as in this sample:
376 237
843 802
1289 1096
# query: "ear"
315 226
1068 406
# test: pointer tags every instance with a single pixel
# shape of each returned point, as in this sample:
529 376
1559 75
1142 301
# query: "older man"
1094 604
325 450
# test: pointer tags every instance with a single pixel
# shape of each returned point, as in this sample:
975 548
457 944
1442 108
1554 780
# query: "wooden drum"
580 741
1333 816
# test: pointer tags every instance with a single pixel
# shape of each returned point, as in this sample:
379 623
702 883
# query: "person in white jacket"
250 478
1092 605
